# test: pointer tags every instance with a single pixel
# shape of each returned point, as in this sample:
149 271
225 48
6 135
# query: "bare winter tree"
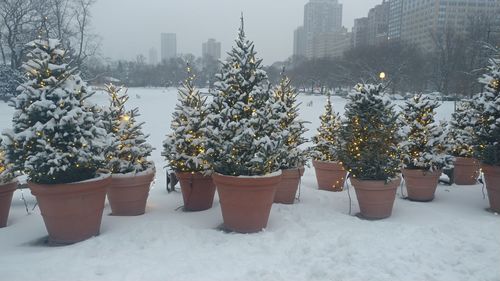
87 43
448 53
18 20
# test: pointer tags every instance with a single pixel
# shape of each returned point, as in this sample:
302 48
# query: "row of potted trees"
234 138
373 143
246 143
74 152
247 140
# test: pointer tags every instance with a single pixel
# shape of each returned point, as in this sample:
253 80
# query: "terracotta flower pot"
128 193
421 185
290 178
466 171
72 212
375 198
6 192
197 190
330 175
246 201
492 179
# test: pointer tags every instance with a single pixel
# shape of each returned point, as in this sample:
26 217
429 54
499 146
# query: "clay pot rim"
489 167
381 184
98 182
292 172
9 186
270 175
326 162
8 183
466 158
194 175
150 170
424 172
250 183
328 165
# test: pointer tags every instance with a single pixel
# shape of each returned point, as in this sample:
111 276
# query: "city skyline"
273 36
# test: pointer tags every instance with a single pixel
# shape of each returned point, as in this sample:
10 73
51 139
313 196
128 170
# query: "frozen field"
452 238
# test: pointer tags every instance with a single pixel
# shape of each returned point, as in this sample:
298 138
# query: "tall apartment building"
378 23
415 21
168 46
322 18
153 56
360 32
395 19
299 42
212 49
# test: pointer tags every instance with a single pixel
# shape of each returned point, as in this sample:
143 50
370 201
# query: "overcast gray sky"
132 27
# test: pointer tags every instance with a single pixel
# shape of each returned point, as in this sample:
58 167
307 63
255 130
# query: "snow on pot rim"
148 171
99 177
270 175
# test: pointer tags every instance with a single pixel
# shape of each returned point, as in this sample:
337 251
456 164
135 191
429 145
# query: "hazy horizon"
130 27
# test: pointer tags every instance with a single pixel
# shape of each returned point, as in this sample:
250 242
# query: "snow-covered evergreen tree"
185 146
487 106
369 138
55 137
461 133
5 171
9 81
244 139
326 142
424 145
293 129
130 151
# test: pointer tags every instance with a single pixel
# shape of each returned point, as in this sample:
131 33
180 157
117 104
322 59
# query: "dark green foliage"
369 137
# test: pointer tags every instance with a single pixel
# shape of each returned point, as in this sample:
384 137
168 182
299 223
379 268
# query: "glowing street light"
382 75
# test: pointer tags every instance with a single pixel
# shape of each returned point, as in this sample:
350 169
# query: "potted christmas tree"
59 145
487 105
244 145
423 151
185 148
7 187
461 138
330 174
132 173
369 150
293 157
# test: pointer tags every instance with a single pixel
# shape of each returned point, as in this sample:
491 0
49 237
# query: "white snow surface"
452 238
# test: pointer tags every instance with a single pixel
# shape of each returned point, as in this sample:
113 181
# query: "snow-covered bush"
424 145
185 146
243 138
129 151
487 105
462 131
369 135
55 137
326 142
293 129
9 81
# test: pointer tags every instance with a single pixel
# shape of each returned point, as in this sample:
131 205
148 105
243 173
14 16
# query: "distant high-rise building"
153 56
322 18
168 46
299 42
395 19
212 49
378 23
416 21
360 32
341 43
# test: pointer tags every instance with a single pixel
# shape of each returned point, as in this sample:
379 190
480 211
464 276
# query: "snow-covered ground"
452 238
